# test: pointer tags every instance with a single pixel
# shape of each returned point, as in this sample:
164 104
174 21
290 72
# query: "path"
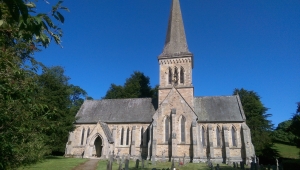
88 165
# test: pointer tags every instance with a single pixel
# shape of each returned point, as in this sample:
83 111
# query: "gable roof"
138 110
219 109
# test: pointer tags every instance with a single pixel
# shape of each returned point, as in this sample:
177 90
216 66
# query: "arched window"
182 75
142 132
176 76
122 136
127 137
167 129
203 136
170 76
87 134
233 131
219 136
82 136
182 129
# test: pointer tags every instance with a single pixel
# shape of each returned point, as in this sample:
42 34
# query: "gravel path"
88 165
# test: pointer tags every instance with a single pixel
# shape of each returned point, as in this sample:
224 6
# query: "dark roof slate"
219 109
139 110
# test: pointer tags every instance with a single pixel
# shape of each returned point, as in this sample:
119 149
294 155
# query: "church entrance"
98 146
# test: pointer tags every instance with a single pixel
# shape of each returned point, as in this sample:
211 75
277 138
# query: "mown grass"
159 166
55 163
287 151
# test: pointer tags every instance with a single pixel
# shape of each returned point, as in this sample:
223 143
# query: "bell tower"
176 61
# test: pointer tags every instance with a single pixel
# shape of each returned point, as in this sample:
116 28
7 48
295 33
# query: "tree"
295 125
283 134
23 115
136 86
257 119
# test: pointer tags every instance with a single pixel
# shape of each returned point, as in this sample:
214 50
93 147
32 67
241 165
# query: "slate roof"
219 109
107 132
138 110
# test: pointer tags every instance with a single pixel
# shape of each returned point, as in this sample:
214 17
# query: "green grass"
56 163
159 166
287 151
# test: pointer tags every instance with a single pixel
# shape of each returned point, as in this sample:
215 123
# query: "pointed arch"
170 76
181 75
127 136
219 136
122 136
204 135
82 136
167 128
234 137
182 128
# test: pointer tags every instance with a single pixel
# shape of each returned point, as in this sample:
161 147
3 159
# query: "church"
179 125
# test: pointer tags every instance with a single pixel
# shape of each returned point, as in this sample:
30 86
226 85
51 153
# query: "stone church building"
178 125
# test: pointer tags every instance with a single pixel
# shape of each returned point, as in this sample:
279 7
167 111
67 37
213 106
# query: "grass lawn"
56 163
159 166
287 151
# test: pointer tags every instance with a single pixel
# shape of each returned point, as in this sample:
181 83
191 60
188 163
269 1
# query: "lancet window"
182 129
142 132
219 136
167 129
87 134
122 136
82 136
127 137
203 136
170 76
175 75
233 132
182 75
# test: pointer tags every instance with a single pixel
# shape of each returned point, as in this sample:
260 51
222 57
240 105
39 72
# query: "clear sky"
236 44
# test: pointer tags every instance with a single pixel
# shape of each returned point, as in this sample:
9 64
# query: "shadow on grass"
54 157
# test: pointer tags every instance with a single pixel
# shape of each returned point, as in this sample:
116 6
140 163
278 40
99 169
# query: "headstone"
183 159
179 162
111 160
143 163
120 165
137 163
218 167
173 166
153 160
140 156
269 167
234 165
242 165
153 168
126 164
123 159
163 157
274 167
237 165
252 167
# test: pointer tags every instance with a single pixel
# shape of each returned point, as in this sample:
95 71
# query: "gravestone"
234 165
179 162
274 167
123 159
153 168
126 164
242 165
252 167
137 163
153 160
218 167
163 157
120 165
183 159
237 165
173 166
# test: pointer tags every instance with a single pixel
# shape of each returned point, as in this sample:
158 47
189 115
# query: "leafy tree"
295 125
257 119
23 114
136 86
283 134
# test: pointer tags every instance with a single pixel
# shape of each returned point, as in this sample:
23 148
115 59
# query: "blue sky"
236 44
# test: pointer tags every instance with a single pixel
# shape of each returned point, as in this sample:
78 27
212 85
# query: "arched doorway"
98 146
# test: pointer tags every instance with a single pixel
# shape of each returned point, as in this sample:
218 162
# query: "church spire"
175 44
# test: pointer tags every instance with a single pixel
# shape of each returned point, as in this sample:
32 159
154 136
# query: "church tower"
176 61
